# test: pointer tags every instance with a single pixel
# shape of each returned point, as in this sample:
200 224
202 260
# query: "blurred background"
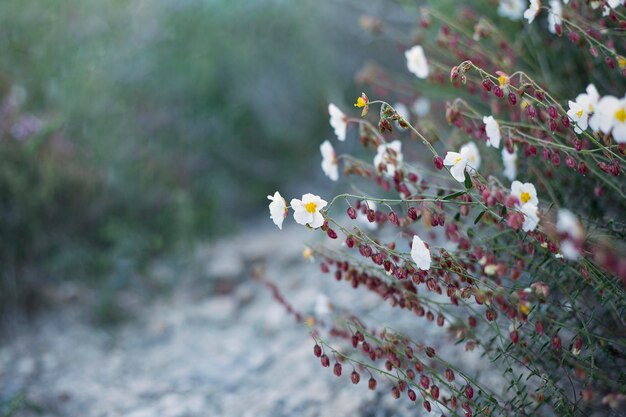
138 142
132 129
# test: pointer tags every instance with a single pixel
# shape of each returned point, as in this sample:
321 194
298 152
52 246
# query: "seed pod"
355 377
371 384
469 391
325 361
401 385
331 233
395 392
317 350
337 369
352 213
411 395
552 112
449 373
427 405
434 391
438 162
424 381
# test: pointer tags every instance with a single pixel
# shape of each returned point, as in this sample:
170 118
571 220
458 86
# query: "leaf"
468 181
454 195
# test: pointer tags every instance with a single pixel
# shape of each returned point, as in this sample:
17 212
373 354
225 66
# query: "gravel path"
234 353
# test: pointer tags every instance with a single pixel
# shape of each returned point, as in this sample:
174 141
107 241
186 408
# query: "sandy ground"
231 351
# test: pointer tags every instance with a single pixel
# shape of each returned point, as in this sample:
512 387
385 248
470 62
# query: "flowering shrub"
497 215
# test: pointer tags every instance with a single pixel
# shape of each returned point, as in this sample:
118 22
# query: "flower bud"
325 361
438 162
371 384
352 213
512 99
552 112
337 369
395 392
449 374
317 350
331 233
411 395
355 377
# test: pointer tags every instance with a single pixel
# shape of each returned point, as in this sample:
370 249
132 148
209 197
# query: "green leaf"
454 195
480 216
468 181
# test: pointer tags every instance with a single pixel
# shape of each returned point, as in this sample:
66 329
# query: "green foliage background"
178 116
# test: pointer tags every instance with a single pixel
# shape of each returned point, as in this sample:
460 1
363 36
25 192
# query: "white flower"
403 111
610 116
615 3
338 121
470 151
420 253
509 160
531 217
329 161
457 163
307 210
278 209
416 61
492 129
389 155
532 11
513 9
556 15
421 106
578 115
525 193
589 99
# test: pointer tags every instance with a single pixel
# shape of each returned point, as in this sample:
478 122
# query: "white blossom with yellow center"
470 150
457 163
525 193
610 116
307 211
578 114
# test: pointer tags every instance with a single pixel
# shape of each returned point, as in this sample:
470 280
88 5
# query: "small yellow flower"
362 102
307 253
621 61
503 79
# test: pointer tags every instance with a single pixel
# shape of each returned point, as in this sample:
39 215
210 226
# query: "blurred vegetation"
129 127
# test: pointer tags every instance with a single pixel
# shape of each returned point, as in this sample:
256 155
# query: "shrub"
499 211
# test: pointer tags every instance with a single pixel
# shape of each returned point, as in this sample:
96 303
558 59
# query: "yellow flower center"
360 102
503 80
621 61
620 115
524 308
579 113
457 160
525 197
310 207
